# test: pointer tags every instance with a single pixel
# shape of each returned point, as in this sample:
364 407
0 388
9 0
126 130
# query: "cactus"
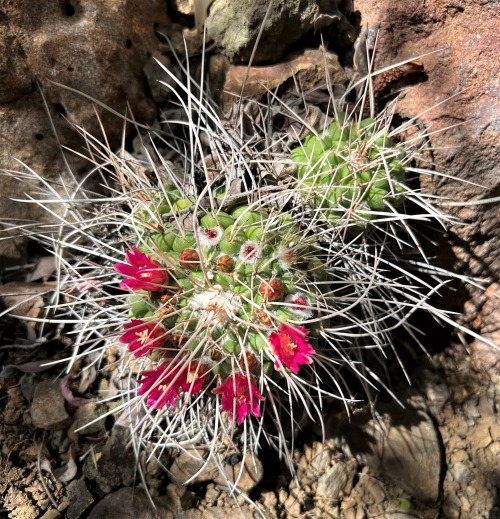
230 311
351 172
217 306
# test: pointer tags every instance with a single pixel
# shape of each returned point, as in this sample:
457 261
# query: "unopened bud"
272 290
189 259
225 263
264 318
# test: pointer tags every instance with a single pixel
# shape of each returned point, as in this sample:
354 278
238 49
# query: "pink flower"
291 347
194 378
163 384
240 396
144 273
142 338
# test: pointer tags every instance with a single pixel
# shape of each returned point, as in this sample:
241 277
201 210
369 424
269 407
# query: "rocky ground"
439 455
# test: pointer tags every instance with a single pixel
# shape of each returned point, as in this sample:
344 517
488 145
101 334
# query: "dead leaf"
67 393
67 471
29 367
43 269
87 377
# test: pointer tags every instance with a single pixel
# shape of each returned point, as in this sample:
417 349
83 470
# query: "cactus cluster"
351 173
241 293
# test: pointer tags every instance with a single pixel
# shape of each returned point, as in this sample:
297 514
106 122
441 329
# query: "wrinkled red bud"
225 263
272 290
189 259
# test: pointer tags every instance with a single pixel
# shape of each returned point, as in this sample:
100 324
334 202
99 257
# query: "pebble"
292 506
471 491
337 480
88 413
130 503
212 494
190 466
471 408
373 487
247 474
282 495
47 408
179 497
81 499
114 465
269 500
51 514
461 473
462 429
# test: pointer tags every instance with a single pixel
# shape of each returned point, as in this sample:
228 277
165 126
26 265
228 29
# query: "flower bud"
272 290
225 263
189 259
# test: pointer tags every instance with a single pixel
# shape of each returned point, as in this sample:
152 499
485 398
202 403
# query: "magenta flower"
144 273
142 338
290 347
240 397
163 384
193 379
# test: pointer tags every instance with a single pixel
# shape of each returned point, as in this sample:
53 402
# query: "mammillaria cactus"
221 305
242 305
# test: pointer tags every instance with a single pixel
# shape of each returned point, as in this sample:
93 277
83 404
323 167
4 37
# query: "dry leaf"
44 268
68 395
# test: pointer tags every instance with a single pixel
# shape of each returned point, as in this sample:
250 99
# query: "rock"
308 69
234 25
81 499
189 467
98 47
156 76
488 321
51 514
186 7
337 480
130 503
86 414
115 464
465 69
245 474
315 461
179 497
460 473
47 409
403 444
371 487
269 501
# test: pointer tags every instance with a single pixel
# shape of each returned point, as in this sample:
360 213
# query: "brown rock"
337 480
130 503
190 467
81 499
115 464
246 474
307 69
459 94
97 47
47 408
